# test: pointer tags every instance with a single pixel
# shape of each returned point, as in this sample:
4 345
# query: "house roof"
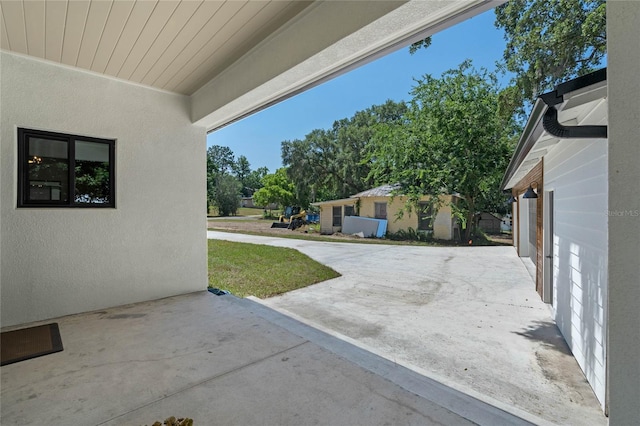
581 101
231 57
380 191
494 216
340 201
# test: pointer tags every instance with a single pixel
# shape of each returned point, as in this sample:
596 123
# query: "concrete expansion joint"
207 380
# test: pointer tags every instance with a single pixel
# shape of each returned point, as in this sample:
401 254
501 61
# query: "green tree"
227 195
549 41
241 170
220 161
452 140
92 182
311 165
253 181
422 44
331 163
277 189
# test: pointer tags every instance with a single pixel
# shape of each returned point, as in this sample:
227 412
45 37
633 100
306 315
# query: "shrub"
410 235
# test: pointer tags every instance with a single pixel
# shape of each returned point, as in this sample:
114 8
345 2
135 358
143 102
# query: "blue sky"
258 136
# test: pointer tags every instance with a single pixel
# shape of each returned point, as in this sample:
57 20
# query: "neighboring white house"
248 202
564 230
507 223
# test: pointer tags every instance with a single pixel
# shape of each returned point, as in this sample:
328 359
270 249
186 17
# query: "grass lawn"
260 270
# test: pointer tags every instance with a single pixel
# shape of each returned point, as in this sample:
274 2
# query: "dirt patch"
258 226
263 226
505 239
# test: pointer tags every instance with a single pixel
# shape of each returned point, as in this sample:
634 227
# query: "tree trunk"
470 222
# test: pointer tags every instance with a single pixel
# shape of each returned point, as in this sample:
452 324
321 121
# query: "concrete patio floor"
221 361
468 317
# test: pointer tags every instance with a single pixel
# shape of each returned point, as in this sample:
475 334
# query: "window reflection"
48 170
92 179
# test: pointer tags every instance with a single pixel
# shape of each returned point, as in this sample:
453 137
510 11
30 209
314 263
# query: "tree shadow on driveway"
548 334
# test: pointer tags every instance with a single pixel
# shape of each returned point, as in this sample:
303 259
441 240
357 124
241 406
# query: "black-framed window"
62 170
380 210
349 211
337 215
425 217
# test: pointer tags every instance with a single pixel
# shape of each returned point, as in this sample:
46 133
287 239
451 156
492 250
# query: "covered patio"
150 79
224 361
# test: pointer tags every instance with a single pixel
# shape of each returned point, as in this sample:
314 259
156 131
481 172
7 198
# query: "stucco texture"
623 353
442 226
58 261
326 214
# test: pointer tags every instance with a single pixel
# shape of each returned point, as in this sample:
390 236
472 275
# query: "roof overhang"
360 32
579 102
231 57
340 201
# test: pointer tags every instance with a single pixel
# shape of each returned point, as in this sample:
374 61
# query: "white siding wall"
62 261
515 223
523 226
577 171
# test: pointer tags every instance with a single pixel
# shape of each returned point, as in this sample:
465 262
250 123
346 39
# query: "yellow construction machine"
292 218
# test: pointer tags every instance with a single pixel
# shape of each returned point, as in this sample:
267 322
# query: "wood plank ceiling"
169 44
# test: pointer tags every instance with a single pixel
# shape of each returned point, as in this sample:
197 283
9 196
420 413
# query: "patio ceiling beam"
325 40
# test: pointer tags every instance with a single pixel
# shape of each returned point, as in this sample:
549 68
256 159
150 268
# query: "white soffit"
172 45
233 57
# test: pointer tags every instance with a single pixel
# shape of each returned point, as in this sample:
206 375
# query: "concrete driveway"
468 317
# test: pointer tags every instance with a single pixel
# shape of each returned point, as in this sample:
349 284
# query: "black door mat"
27 343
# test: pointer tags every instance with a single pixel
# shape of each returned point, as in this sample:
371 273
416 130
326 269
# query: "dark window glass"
92 173
47 164
57 169
380 210
425 217
337 216
349 211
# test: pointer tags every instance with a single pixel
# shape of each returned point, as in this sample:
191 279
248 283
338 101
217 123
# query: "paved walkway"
468 317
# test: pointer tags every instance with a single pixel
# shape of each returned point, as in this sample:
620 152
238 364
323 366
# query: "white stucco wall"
326 215
623 57
153 244
576 170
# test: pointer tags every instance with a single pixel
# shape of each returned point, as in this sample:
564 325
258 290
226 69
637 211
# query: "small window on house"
61 170
337 216
425 217
349 211
380 210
